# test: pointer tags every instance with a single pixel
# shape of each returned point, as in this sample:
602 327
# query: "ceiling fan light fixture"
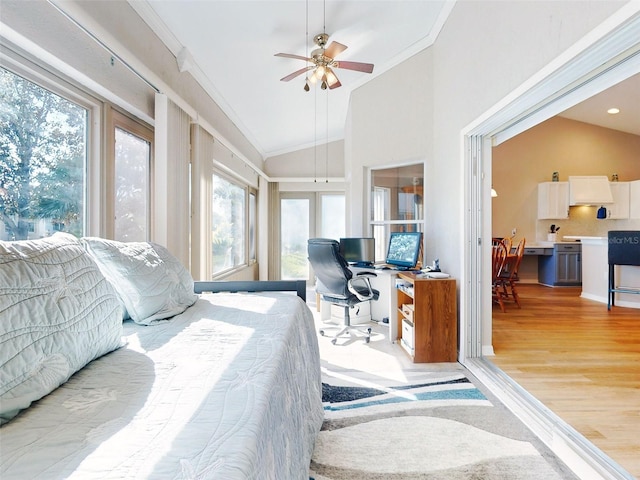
322 60
331 77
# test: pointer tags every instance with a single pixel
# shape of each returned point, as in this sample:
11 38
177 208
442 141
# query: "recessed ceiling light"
613 111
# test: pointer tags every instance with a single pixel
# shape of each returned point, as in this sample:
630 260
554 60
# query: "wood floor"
580 360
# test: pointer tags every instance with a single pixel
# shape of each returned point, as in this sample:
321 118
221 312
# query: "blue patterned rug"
432 425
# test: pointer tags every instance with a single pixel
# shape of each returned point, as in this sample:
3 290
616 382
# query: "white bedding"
230 389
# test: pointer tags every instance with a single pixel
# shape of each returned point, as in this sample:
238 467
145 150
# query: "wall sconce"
493 193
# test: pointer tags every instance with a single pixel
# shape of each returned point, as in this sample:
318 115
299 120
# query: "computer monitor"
358 251
404 249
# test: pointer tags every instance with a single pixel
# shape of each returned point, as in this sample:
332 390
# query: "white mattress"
230 389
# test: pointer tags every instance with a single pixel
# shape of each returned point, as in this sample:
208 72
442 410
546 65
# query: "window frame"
252 236
387 226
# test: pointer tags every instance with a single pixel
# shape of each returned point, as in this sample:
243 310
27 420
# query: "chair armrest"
360 286
367 274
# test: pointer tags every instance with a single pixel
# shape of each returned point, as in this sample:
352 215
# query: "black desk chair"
336 283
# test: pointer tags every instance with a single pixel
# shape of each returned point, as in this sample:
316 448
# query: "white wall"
390 122
310 162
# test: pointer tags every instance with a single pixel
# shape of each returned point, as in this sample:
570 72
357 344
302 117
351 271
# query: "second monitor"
359 251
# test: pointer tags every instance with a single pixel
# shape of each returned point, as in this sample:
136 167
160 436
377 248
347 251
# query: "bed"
228 389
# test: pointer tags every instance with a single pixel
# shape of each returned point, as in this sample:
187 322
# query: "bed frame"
298 286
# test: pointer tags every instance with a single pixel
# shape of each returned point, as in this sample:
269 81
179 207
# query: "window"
43 161
332 215
396 203
228 225
132 161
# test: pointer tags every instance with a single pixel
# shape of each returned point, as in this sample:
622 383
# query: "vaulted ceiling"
229 47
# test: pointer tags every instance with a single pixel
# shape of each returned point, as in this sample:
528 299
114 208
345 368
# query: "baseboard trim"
487 351
578 453
619 303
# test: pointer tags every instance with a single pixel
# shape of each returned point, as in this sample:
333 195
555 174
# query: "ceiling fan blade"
334 49
358 66
296 73
291 55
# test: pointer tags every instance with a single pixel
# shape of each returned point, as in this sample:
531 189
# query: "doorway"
613 56
571 86
297 225
306 215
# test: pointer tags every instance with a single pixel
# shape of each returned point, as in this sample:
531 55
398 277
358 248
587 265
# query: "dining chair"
498 259
508 277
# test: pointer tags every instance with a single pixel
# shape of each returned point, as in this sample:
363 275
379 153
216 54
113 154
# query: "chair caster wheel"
369 331
366 340
333 341
321 332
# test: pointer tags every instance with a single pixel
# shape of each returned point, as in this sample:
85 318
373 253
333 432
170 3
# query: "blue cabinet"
563 267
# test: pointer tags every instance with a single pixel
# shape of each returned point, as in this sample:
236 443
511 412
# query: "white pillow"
150 281
57 313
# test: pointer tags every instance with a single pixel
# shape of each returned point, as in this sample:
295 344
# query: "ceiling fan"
323 60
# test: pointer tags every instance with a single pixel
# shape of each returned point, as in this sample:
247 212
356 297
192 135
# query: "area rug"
431 425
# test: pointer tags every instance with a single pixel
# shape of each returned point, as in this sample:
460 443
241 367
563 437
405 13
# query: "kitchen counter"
595 273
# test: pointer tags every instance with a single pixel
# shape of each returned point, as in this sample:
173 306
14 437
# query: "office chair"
336 283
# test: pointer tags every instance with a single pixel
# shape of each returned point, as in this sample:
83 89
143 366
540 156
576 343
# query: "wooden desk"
428 308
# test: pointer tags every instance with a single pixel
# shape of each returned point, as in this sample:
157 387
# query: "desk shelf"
431 321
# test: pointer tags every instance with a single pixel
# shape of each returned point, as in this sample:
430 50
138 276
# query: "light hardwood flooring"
580 360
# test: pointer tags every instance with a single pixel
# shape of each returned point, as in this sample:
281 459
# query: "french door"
297 226
305 215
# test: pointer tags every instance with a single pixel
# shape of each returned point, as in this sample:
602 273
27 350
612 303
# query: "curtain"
274 231
201 170
171 220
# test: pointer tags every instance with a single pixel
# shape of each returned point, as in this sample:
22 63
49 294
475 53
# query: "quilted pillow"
150 281
57 313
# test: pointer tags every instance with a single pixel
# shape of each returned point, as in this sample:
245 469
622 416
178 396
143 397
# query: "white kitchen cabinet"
620 206
634 199
553 200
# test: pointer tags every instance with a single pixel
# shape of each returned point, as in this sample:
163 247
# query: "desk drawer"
407 311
